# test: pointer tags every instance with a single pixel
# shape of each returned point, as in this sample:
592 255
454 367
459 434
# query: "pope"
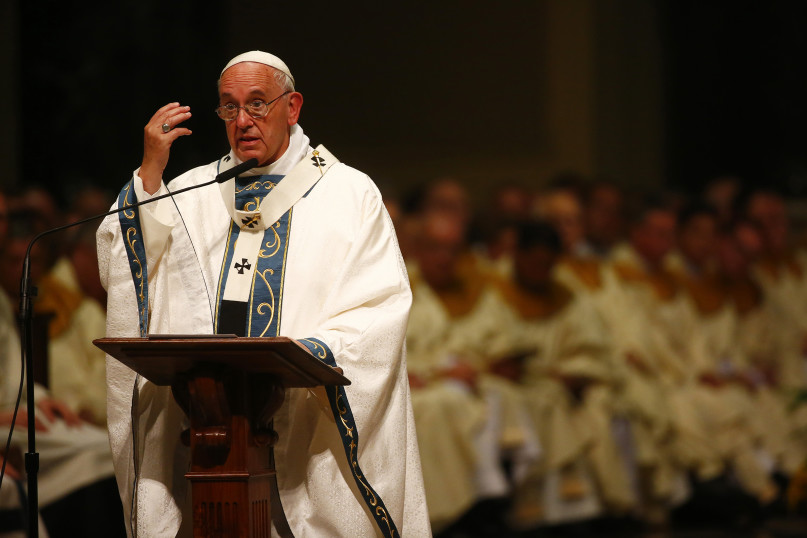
300 246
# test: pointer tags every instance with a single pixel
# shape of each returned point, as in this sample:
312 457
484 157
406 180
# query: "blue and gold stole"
260 316
136 252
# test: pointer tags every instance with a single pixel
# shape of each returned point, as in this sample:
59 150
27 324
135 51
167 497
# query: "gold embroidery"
129 233
271 305
130 214
252 205
353 461
131 242
283 269
251 299
385 518
271 244
321 353
255 186
354 464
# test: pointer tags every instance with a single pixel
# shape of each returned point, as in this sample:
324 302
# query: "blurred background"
647 93
658 142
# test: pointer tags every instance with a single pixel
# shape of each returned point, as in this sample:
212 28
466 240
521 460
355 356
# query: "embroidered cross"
317 160
250 222
243 265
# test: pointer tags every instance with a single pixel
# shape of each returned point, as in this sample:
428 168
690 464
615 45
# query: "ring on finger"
166 127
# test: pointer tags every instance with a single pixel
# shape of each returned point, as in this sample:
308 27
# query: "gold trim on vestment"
354 465
267 185
461 296
531 305
271 305
662 282
283 268
707 291
587 270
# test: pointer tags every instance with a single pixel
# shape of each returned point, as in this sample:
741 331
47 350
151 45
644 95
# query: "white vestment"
464 433
78 368
345 285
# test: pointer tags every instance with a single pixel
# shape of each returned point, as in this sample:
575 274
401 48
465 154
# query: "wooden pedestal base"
231 440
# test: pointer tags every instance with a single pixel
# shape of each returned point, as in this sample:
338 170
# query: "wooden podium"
230 388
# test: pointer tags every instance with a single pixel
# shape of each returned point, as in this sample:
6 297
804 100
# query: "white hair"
283 80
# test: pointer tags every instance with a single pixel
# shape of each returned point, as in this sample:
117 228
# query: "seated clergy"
769 351
467 420
565 384
714 355
77 491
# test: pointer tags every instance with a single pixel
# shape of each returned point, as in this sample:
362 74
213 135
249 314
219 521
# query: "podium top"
162 358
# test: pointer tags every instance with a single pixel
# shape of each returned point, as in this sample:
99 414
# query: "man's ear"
295 105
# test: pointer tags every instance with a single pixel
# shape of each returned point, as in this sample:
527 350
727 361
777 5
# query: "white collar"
298 147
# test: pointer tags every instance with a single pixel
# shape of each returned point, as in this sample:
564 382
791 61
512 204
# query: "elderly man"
303 248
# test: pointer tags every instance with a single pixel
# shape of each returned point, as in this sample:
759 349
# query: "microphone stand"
27 291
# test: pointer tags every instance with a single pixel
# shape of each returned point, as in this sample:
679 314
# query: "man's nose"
243 120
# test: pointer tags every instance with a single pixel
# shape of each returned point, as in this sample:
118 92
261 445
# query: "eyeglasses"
256 109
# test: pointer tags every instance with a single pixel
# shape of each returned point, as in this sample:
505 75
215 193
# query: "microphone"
25 303
26 347
236 170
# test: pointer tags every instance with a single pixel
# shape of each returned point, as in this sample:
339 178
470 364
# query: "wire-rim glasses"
255 109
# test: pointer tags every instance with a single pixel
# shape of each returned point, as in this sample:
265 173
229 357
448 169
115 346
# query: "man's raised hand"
157 141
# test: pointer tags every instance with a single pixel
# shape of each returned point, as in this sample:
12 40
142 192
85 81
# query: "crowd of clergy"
581 359
78 495
578 357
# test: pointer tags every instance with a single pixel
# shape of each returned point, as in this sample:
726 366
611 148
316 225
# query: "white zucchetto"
260 57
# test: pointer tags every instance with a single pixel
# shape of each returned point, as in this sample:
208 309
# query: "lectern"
229 387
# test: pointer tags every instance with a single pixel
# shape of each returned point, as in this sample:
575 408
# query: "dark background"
650 93
737 86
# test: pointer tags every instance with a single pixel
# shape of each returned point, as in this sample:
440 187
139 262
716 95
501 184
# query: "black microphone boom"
26 292
237 169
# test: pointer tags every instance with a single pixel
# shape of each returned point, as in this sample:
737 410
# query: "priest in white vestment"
566 362
768 348
302 247
714 354
468 420
661 353
77 369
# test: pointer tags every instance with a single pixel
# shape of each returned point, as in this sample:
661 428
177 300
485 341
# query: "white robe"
346 285
77 367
